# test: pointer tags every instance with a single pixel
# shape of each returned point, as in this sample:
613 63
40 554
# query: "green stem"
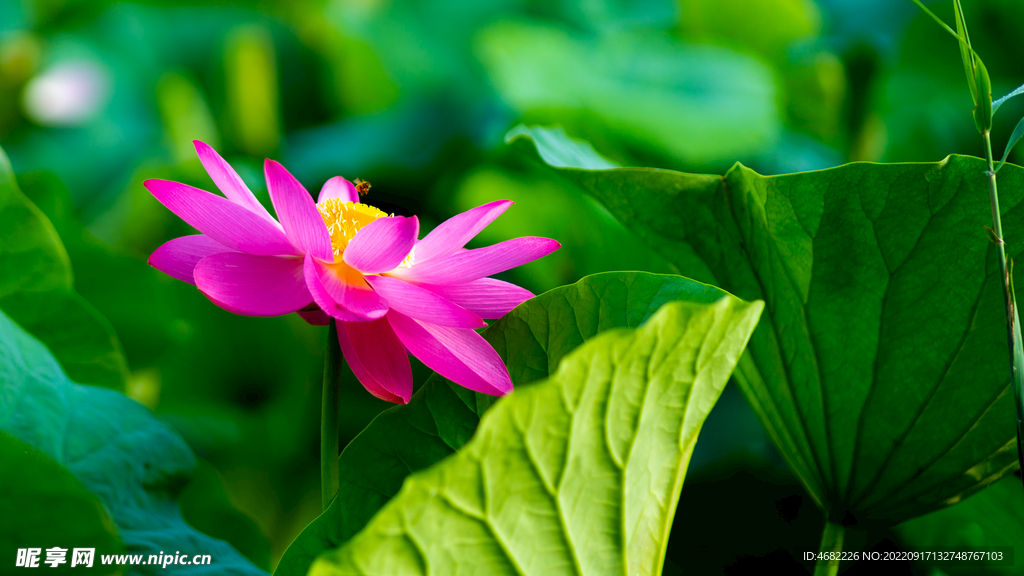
329 418
1012 327
831 543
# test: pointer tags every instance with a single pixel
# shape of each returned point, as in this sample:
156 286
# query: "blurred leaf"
442 416
35 291
613 428
81 339
33 259
768 27
616 14
592 240
816 91
582 155
45 506
113 445
186 117
992 517
206 506
696 104
252 101
885 409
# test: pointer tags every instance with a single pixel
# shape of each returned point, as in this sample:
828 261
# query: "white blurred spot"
67 94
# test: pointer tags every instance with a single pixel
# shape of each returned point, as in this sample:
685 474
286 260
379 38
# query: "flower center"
344 219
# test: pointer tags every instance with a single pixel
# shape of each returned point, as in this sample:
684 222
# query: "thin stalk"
1012 329
831 547
329 418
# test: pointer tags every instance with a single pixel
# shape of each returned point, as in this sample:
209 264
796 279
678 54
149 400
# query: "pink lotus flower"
388 291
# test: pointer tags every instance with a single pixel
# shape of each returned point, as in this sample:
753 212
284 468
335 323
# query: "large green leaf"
114 446
579 474
442 416
45 506
880 370
36 292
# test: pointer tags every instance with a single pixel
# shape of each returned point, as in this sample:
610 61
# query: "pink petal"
417 302
488 297
221 219
315 317
178 257
381 245
339 188
225 177
295 207
377 358
473 264
253 285
342 292
453 233
458 354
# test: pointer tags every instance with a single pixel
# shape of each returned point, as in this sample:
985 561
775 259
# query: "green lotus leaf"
36 292
880 369
45 506
442 416
115 447
578 474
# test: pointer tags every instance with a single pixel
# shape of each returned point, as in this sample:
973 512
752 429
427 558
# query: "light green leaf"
879 370
36 292
32 259
669 105
581 156
45 506
579 474
114 446
442 416
251 82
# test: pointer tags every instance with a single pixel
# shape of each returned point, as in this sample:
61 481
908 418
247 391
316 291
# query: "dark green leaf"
442 416
880 367
45 506
206 506
588 463
36 292
993 517
112 445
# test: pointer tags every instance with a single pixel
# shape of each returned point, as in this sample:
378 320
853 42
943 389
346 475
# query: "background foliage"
97 96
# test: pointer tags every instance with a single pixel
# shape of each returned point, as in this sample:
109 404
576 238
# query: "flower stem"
329 418
1012 321
831 543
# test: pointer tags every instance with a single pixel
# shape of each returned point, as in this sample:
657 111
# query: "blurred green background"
96 96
